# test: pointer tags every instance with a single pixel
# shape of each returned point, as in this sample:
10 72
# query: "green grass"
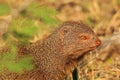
4 9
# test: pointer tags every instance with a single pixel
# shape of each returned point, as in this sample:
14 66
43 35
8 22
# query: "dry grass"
104 17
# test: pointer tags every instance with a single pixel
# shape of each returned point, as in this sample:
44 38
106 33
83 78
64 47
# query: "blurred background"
26 21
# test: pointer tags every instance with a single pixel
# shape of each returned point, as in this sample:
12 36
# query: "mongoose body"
58 54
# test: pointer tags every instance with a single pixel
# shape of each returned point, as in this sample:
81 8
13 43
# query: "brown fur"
57 55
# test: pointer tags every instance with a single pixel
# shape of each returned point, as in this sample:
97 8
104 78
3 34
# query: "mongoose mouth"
97 44
80 52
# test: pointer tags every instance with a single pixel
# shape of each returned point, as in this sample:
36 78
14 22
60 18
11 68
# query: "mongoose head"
77 38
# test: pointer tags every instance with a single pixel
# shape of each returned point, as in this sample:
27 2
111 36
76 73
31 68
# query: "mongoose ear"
64 30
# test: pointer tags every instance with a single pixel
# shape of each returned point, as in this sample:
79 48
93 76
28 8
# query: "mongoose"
58 54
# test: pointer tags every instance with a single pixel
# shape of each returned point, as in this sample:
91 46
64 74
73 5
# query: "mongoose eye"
65 30
83 37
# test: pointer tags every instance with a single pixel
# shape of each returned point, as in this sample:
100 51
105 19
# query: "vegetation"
4 9
22 29
40 17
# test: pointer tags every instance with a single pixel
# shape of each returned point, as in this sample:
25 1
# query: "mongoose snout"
98 42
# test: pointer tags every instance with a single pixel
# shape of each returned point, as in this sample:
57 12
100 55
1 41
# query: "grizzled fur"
57 55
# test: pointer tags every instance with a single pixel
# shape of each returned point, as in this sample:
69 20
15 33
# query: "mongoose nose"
98 43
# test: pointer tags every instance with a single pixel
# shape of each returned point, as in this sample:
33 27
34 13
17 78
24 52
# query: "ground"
103 16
